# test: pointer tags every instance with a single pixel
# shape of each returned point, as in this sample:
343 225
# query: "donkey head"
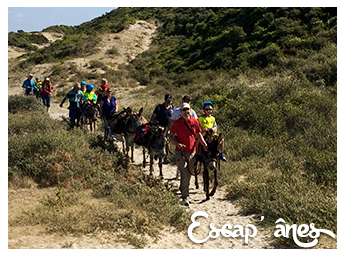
158 139
91 112
134 120
213 142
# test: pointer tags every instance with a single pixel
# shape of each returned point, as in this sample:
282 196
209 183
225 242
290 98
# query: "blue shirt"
108 107
74 98
163 115
29 85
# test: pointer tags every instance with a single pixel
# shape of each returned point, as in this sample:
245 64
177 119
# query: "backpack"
141 135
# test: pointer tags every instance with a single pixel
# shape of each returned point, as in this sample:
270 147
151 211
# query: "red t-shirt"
184 135
105 86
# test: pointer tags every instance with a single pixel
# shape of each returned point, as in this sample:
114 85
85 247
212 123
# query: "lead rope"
183 153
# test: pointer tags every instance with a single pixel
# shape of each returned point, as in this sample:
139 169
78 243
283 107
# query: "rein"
183 153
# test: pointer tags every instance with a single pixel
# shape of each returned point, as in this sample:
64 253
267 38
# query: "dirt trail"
219 209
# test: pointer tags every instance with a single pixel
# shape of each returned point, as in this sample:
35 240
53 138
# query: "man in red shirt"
186 128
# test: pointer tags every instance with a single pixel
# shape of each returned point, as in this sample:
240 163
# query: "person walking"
47 88
162 113
74 96
186 128
108 108
29 85
178 114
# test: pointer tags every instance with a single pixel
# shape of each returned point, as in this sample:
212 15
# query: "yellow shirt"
89 96
207 122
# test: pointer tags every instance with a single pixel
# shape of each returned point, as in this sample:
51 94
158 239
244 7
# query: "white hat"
185 105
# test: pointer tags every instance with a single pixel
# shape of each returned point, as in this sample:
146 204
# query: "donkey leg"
216 179
132 153
160 166
216 183
196 176
144 157
123 145
196 181
151 162
206 182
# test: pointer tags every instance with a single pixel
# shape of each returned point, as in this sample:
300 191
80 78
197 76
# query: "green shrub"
24 104
112 51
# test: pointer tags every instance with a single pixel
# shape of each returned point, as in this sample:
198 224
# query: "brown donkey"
210 161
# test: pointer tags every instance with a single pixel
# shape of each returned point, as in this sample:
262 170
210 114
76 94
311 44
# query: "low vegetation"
272 74
83 166
25 40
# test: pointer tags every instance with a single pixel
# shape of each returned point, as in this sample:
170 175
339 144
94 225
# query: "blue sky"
38 18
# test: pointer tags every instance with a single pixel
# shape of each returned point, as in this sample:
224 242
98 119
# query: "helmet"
89 87
37 77
207 103
83 83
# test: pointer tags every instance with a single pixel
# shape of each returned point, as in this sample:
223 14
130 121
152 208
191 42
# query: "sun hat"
185 105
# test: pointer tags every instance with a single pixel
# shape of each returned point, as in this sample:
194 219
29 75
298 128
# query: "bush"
24 104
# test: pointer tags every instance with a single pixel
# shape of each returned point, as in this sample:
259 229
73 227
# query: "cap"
168 97
187 98
185 105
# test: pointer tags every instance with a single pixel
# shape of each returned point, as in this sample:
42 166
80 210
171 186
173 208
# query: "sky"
32 19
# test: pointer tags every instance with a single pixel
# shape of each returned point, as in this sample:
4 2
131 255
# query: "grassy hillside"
272 74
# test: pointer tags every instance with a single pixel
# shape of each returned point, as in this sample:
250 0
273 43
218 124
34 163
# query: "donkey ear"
141 111
208 136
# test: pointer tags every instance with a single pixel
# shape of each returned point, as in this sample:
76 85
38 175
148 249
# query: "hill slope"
270 72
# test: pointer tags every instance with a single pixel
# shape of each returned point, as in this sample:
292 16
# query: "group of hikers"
40 89
182 125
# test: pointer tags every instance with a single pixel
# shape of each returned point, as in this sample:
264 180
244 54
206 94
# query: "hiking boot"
222 157
166 160
186 201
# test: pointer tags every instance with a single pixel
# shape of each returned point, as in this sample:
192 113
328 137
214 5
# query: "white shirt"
177 114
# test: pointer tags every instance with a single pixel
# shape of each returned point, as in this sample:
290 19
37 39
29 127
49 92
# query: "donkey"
210 161
156 145
90 116
126 123
132 123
